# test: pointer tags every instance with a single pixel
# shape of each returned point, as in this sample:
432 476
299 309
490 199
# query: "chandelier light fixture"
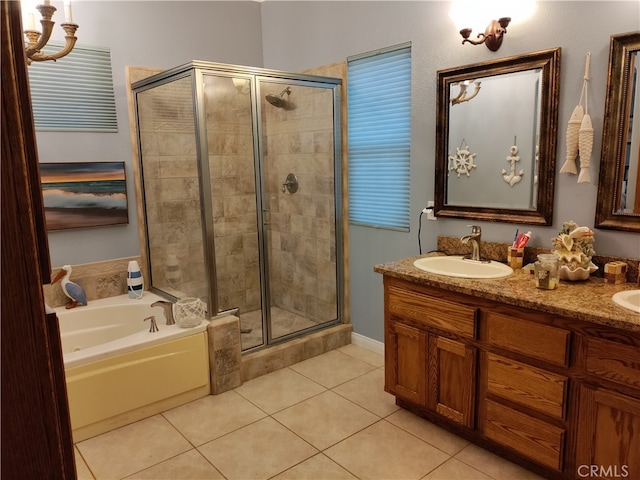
36 41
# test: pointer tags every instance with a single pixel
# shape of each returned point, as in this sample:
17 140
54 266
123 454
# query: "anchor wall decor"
512 178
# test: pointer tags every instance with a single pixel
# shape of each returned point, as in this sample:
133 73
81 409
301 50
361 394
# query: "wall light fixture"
492 36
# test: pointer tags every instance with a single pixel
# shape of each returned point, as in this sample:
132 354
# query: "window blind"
379 125
74 93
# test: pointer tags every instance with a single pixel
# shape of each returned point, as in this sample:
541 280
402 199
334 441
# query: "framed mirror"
496 139
618 205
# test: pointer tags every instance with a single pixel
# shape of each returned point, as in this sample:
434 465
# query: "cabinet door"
608 434
451 379
406 363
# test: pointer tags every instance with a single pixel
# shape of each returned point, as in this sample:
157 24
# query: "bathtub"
118 372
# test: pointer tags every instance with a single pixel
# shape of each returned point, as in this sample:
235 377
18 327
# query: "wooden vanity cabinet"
608 433
609 405
524 393
406 363
559 396
427 361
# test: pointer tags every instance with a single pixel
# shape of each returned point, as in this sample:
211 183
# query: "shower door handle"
266 216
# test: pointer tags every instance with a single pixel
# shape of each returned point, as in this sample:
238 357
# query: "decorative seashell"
585 146
581 232
567 241
576 274
573 131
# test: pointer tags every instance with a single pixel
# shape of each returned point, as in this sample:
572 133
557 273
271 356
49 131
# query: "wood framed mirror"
496 139
618 205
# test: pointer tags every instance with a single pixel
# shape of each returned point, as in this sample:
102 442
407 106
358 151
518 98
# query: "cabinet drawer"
449 316
529 338
533 438
614 361
526 385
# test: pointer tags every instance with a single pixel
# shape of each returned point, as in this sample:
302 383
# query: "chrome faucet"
475 239
168 310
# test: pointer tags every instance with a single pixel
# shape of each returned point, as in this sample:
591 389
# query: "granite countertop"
588 300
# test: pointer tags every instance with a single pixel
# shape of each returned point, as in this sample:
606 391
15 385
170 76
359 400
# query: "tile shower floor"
282 322
324 418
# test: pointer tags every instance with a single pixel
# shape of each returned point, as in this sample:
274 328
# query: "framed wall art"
84 194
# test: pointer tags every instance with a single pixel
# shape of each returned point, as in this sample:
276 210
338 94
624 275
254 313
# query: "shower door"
298 154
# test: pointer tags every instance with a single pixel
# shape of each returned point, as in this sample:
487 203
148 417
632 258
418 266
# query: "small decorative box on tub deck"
615 272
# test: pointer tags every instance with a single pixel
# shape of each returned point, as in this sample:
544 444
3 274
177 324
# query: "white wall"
299 35
296 35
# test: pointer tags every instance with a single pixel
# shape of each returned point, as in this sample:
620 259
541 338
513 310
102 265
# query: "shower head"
279 101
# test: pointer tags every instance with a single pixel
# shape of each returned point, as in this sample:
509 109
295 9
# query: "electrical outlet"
430 214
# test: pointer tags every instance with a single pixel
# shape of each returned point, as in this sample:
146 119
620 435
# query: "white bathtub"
113 326
118 372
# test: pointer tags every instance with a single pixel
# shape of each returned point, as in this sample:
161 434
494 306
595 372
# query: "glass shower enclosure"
240 174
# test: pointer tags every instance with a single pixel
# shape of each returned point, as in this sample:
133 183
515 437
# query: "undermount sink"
629 299
456 266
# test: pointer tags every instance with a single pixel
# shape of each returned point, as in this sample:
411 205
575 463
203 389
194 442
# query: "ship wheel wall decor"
462 161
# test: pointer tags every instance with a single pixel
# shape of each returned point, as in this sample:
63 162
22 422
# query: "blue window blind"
379 126
74 93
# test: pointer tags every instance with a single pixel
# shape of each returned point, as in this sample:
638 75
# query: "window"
379 125
74 93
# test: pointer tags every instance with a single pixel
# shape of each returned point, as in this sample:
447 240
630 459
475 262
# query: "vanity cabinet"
428 361
608 433
609 406
524 400
557 395
406 363
451 379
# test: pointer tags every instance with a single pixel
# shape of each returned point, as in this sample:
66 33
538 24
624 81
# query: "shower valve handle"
290 184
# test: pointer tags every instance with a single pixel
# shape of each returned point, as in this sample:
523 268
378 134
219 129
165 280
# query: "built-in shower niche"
217 146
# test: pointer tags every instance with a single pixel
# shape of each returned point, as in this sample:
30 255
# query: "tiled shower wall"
171 187
231 163
302 225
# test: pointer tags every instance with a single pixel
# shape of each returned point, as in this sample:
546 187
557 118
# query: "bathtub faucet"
168 310
153 326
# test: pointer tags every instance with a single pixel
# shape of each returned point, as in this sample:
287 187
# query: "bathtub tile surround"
99 280
263 428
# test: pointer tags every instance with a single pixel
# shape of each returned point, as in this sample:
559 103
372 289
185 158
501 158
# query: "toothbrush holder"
515 257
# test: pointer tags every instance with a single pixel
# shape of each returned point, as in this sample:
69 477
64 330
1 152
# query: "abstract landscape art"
84 194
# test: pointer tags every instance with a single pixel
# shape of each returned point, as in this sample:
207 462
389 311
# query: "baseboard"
368 343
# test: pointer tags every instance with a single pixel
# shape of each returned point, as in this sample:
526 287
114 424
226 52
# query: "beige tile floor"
322 419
